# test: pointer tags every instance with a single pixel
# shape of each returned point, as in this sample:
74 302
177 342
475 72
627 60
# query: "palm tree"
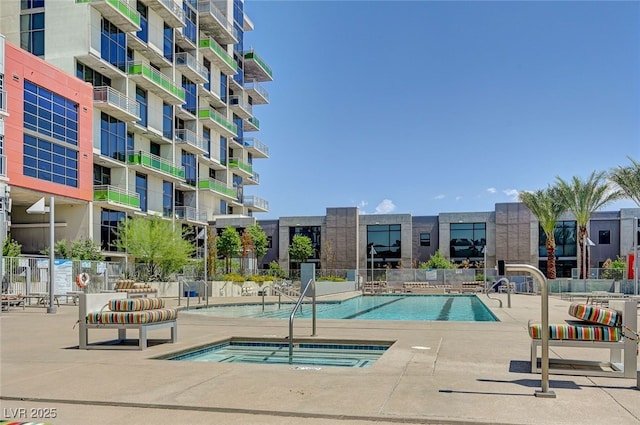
583 198
547 206
628 180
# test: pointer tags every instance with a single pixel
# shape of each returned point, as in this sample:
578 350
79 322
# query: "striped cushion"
593 314
577 332
148 316
135 304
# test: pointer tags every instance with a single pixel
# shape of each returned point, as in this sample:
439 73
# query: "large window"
141 190
167 199
50 161
113 45
32 32
566 240
109 221
113 137
385 239
223 151
190 93
313 233
143 34
101 175
467 241
141 97
88 74
167 121
50 114
168 42
190 170
190 17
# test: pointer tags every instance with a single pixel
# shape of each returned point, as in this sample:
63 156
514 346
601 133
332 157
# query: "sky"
426 107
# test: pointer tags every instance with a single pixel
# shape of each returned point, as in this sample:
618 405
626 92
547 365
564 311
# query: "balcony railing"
119 105
212 20
256 146
222 122
189 66
251 124
241 165
171 13
217 55
168 90
256 68
242 109
191 139
156 163
219 187
119 12
190 214
258 93
116 195
256 202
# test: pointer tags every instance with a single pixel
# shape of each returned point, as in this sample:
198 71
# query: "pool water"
457 308
270 352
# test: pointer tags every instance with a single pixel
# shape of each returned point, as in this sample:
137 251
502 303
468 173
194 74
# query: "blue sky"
425 107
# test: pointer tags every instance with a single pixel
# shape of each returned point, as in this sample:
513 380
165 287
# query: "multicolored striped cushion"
148 316
577 332
593 314
135 304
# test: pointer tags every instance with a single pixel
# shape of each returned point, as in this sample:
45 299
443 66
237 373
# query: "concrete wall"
341 239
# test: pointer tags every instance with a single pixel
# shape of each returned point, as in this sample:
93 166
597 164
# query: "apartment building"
170 120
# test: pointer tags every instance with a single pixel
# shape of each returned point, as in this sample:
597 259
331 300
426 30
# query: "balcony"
146 161
190 214
219 187
3 166
217 56
3 103
214 22
156 82
256 147
171 13
116 197
118 12
190 68
251 124
212 96
214 120
256 204
151 52
258 93
190 142
116 104
255 68
241 108
253 180
245 169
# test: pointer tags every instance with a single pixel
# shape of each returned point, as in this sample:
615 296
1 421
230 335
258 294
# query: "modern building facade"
163 93
343 239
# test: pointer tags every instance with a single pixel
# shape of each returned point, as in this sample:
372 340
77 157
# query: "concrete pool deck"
435 373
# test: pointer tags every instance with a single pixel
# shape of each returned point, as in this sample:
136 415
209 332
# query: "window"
87 74
113 137
32 32
604 237
143 33
101 175
189 164
167 46
141 190
565 235
425 239
31 4
113 45
385 240
141 97
167 120
207 65
109 221
50 114
223 88
467 240
237 185
167 199
3 171
269 242
190 92
313 233
190 17
223 151
206 135
50 161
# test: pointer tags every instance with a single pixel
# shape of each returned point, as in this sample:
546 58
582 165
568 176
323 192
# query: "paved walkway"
435 373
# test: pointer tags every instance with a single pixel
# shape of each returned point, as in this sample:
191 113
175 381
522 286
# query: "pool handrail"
311 283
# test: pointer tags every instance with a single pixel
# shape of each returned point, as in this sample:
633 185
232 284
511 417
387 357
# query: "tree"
229 245
246 248
547 206
628 180
300 249
156 243
259 239
438 261
212 251
583 198
11 247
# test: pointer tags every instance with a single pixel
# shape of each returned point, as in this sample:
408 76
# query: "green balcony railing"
106 193
237 163
121 6
215 116
253 55
158 78
211 44
218 186
254 121
155 162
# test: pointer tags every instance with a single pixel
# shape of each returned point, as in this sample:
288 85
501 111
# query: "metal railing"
312 284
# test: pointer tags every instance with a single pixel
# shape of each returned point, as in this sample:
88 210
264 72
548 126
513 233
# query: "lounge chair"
10 300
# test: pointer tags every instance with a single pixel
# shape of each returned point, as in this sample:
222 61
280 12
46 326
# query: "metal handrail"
488 290
311 283
280 293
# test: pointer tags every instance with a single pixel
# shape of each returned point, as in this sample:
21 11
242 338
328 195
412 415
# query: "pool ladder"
311 284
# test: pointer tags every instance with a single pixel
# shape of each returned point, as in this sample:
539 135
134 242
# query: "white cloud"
512 193
385 207
458 198
439 197
492 190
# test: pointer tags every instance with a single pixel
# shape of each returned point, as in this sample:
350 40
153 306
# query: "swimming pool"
307 353
453 308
